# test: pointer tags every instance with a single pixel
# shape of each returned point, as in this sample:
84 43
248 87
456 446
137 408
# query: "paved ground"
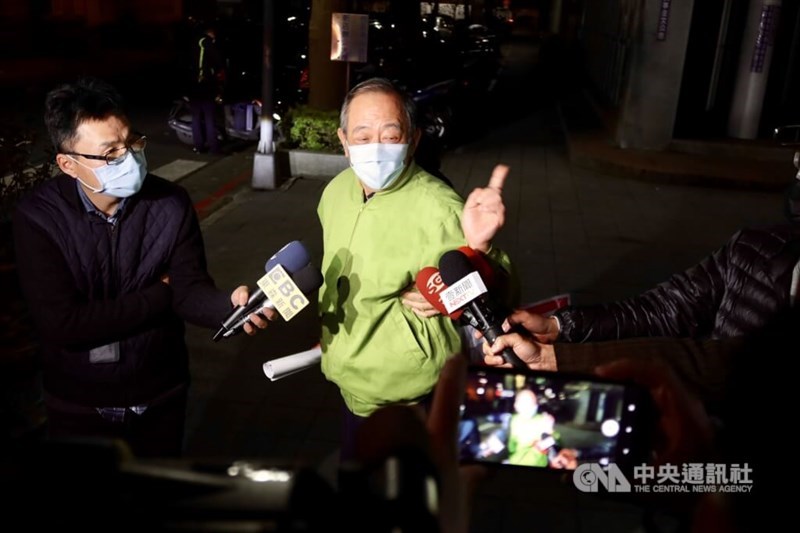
571 228
583 218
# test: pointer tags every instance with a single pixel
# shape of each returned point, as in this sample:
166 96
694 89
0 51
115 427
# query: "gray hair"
380 85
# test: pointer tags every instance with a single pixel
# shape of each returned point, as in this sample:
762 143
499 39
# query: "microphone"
467 292
308 279
481 265
429 283
497 279
292 257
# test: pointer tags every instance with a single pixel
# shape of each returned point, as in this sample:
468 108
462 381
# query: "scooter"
239 120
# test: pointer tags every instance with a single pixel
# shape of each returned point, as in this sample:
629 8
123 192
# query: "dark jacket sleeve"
61 313
683 306
705 367
196 298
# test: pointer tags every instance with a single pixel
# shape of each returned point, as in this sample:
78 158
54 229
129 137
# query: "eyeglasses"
116 155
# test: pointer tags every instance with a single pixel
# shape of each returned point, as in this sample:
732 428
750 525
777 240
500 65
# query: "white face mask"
121 180
377 165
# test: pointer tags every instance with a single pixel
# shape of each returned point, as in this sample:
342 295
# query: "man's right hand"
544 329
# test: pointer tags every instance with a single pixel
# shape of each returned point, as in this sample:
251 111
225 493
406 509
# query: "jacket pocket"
409 335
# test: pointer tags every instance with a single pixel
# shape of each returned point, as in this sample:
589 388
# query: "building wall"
635 51
651 89
605 48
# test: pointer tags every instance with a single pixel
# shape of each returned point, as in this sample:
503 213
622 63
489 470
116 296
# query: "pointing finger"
498 177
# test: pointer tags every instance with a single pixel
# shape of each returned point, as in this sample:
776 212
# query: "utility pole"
327 77
264 168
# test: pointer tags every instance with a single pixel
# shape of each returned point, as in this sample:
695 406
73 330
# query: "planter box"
308 164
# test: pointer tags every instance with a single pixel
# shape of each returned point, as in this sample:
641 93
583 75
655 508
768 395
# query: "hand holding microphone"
292 258
258 319
535 355
425 301
306 280
467 292
418 303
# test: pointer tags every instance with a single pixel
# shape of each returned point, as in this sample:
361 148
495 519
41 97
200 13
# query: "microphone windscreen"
308 279
481 265
292 257
454 266
429 283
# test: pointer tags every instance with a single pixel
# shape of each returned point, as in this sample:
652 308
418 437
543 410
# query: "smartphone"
553 420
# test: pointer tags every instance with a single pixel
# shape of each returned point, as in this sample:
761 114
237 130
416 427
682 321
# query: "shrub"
311 129
17 174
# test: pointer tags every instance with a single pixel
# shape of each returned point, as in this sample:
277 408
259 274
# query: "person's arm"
399 429
62 314
704 367
482 216
196 298
683 306
484 212
537 356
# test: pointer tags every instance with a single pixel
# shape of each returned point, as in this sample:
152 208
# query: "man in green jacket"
383 220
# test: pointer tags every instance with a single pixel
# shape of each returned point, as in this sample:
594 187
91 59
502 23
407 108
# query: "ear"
414 142
66 165
343 139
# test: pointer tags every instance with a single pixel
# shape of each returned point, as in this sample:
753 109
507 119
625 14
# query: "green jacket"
375 349
524 435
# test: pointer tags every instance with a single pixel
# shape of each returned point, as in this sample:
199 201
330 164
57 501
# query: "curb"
608 165
222 196
592 150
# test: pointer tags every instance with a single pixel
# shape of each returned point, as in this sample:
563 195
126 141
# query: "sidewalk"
726 163
595 235
582 218
599 226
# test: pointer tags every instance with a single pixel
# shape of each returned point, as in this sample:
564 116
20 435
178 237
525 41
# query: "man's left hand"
484 212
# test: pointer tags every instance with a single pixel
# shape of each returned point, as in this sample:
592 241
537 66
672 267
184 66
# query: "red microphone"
430 285
495 278
481 265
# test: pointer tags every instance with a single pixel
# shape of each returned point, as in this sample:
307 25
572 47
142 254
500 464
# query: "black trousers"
351 422
157 432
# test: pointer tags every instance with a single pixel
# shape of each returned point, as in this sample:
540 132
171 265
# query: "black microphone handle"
255 300
491 333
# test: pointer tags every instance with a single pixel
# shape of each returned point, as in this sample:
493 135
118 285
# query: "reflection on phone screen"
543 420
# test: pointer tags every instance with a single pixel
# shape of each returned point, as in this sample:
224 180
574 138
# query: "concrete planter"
308 164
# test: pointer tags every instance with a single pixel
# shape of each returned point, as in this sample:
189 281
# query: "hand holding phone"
685 431
552 420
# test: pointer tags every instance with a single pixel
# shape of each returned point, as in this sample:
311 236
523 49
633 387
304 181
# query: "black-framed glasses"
116 155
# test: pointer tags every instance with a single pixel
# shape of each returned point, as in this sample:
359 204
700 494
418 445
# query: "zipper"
346 267
112 235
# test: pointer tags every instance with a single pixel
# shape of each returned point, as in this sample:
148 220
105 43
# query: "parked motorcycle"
239 114
239 120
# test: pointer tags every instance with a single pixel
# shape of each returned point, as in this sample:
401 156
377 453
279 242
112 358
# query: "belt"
110 413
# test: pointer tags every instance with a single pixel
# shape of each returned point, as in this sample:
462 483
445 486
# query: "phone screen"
550 420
